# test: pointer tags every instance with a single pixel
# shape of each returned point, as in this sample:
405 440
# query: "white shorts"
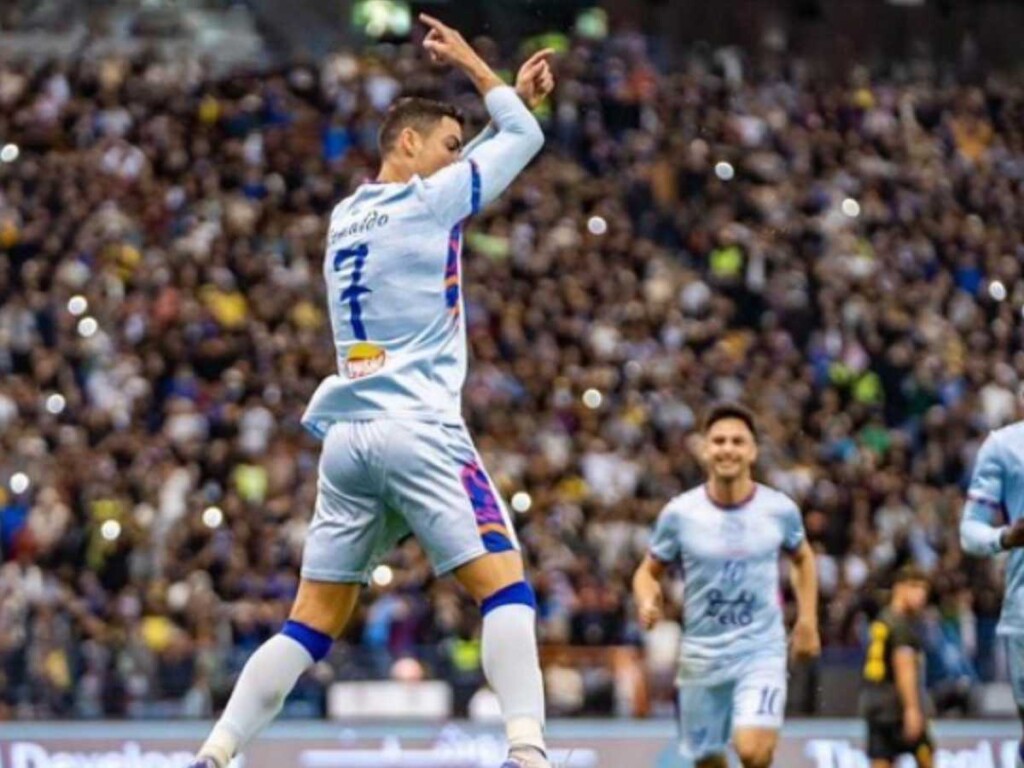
383 479
1015 659
754 698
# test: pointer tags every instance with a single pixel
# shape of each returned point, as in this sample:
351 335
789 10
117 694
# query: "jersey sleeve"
987 479
903 636
979 530
491 165
793 533
664 545
488 133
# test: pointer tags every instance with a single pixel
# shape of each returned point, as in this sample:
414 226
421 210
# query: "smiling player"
726 536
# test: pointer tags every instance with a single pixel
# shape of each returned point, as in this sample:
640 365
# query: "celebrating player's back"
396 456
726 536
393 259
996 496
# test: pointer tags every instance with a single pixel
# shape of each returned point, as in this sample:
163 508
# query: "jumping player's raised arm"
534 82
463 188
488 133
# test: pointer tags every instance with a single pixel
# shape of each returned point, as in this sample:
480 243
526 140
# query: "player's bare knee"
756 751
757 756
324 607
491 573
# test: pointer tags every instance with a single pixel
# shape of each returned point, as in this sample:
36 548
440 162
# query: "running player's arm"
664 549
647 590
804 578
980 534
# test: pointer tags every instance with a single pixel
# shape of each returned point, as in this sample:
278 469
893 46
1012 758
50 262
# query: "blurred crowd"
845 257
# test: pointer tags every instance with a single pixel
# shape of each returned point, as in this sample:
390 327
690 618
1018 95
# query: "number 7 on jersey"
351 294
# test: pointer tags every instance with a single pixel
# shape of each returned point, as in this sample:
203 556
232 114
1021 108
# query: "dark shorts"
886 742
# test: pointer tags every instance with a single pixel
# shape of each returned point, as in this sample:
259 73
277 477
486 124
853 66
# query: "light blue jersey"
393 274
730 568
996 498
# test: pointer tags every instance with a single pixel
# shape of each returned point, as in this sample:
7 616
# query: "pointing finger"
435 24
539 56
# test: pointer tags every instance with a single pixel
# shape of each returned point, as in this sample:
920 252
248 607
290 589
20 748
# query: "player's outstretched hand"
806 640
446 45
1014 536
534 81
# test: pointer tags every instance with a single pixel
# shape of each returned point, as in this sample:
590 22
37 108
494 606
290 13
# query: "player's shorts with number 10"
754 698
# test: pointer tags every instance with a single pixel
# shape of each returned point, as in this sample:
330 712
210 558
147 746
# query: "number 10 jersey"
729 558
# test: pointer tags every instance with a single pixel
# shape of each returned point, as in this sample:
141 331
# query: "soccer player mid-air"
725 535
892 696
396 456
993 522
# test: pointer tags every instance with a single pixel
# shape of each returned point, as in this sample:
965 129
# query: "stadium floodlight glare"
19 482
382 575
724 170
521 502
597 225
851 207
55 404
9 153
997 290
380 18
592 24
110 530
213 517
87 327
77 305
592 399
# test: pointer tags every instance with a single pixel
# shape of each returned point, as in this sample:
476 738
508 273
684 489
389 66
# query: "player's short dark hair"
729 410
417 113
908 574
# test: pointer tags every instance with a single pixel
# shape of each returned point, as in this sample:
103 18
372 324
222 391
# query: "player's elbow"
969 539
966 545
640 578
533 136
649 571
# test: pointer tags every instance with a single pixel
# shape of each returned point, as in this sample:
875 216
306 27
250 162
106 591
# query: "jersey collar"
730 507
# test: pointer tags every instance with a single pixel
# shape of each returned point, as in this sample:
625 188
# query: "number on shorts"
354 290
769 701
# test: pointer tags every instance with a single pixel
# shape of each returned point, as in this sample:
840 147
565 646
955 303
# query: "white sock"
268 677
512 668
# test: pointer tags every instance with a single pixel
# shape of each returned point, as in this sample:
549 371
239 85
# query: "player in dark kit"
891 699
